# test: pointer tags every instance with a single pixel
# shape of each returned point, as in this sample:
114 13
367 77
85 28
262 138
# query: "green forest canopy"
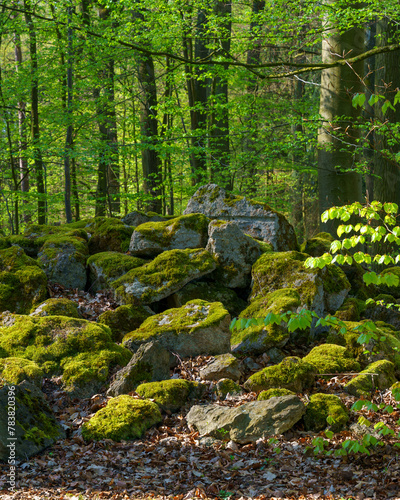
117 105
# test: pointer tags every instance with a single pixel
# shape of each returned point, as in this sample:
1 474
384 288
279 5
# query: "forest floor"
168 462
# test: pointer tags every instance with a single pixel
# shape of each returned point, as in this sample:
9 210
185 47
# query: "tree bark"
338 183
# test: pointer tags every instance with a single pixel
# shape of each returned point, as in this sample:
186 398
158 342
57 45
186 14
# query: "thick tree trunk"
338 183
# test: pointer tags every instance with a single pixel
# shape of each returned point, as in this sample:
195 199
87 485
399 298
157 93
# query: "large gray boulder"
165 275
199 327
150 363
249 422
222 366
234 251
63 259
254 218
153 238
27 424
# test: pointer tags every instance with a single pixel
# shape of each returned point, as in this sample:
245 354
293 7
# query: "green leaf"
373 99
386 105
335 246
358 100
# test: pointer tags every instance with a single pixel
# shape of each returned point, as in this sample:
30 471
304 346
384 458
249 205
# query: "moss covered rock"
153 238
124 319
274 393
211 292
123 418
199 327
257 339
166 274
109 235
378 375
322 406
350 309
35 425
78 349
384 308
331 358
317 245
22 283
57 307
63 259
321 290
106 267
225 387
222 366
292 373
171 394
253 218
15 370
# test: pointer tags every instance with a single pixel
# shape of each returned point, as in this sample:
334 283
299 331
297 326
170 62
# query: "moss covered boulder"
57 307
211 292
81 351
351 309
22 283
322 406
274 393
16 370
150 363
106 267
227 387
292 373
317 245
258 339
63 259
222 366
124 319
109 235
166 274
234 251
153 238
35 425
253 218
320 290
172 394
199 327
378 375
137 218
384 308
331 359
123 418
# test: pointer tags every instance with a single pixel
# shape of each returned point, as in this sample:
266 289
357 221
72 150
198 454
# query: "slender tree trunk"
219 119
338 183
22 139
151 162
37 152
69 134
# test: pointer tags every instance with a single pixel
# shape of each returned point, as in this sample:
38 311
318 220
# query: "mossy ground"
292 373
123 418
322 406
168 272
184 320
170 394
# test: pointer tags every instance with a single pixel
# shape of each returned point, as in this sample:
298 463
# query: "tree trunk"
38 159
219 119
338 183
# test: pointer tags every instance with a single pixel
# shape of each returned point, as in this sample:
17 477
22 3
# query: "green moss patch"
322 406
123 418
331 358
317 245
292 373
171 394
274 393
15 370
227 386
110 234
57 307
377 375
124 319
